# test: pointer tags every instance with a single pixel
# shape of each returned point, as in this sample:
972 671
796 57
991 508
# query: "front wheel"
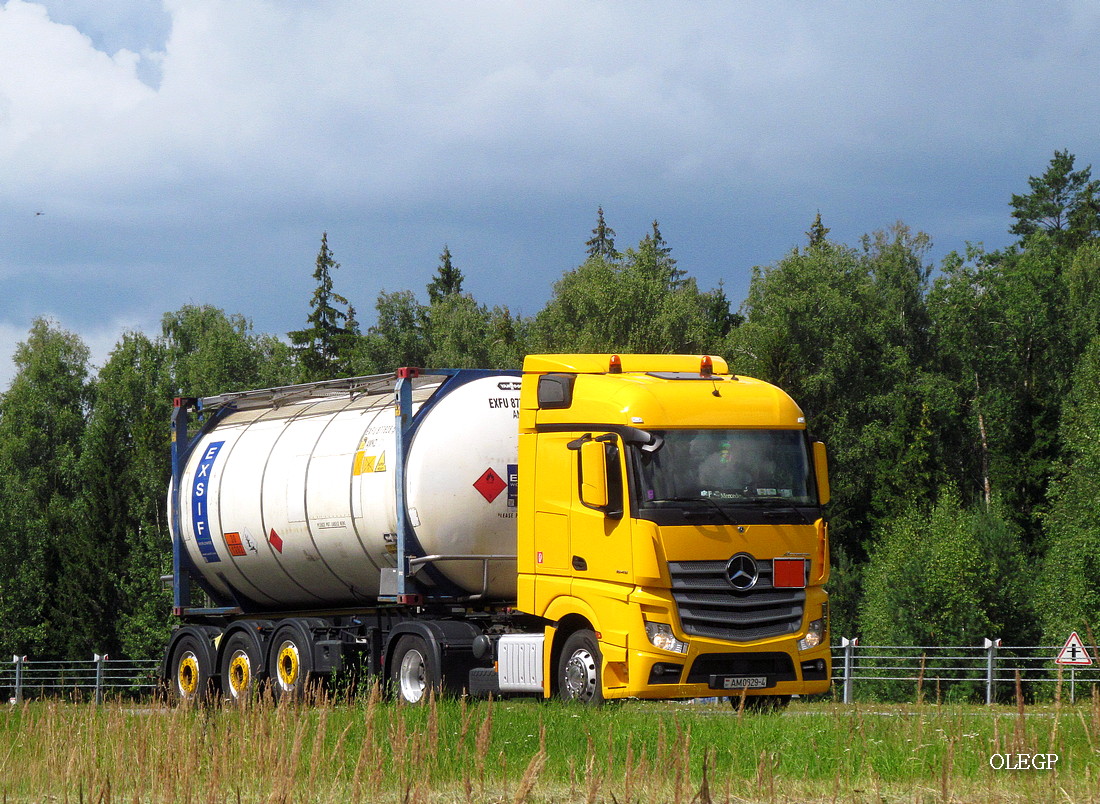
413 670
579 676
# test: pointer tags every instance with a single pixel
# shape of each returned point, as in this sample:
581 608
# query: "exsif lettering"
200 489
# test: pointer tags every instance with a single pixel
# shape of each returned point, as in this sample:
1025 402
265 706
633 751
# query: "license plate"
741 682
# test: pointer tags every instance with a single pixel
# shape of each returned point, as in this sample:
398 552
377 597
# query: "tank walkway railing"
958 672
23 678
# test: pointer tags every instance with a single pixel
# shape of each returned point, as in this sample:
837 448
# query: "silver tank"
295 506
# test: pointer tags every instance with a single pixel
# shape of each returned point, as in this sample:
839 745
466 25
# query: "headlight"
661 636
814 635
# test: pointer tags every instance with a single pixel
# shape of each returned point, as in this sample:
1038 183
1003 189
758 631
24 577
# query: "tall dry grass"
370 749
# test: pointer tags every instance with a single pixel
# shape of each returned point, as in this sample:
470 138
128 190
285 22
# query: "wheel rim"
288 666
580 675
411 676
187 675
240 673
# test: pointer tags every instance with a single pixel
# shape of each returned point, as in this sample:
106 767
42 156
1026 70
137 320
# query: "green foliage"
638 303
1002 336
947 574
398 338
1063 202
46 584
126 465
465 334
211 352
1069 592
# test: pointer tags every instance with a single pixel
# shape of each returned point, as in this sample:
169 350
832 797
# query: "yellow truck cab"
670 530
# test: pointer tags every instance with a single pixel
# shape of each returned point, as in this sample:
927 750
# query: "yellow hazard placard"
366 464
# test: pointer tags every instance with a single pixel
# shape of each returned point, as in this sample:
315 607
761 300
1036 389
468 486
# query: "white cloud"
267 101
59 96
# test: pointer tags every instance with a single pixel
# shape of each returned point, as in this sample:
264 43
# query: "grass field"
515 751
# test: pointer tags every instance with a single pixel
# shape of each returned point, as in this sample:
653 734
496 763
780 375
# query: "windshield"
727 466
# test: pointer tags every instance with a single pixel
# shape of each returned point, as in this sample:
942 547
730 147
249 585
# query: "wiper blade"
779 507
706 501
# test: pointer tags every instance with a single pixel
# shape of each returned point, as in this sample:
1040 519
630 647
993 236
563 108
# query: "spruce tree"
654 255
602 243
447 280
818 231
324 347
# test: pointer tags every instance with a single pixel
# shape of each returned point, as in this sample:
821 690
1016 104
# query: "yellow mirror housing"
594 474
821 472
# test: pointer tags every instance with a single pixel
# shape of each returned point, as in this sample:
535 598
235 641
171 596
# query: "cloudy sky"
156 154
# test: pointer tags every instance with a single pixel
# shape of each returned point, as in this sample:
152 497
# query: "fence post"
99 661
991 646
19 677
849 646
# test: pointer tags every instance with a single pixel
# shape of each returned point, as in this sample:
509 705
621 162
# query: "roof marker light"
616 365
706 366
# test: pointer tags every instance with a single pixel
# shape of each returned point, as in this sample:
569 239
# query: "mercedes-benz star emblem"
742 572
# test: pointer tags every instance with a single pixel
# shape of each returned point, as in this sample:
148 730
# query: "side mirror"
821 472
594 474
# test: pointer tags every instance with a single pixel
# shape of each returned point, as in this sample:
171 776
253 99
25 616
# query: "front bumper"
710 672
711 667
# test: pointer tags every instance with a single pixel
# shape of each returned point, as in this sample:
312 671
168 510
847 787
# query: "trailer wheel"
579 669
240 668
291 661
413 670
192 670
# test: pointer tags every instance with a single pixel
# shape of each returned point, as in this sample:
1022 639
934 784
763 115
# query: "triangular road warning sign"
1074 652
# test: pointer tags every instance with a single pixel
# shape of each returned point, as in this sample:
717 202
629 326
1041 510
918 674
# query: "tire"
291 662
579 674
762 704
192 671
413 670
240 668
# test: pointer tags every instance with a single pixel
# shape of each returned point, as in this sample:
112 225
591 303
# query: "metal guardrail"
993 665
23 678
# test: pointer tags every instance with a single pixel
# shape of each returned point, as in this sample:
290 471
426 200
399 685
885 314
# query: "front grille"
710 607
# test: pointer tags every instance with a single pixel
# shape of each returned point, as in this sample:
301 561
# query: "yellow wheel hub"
288 665
240 674
187 675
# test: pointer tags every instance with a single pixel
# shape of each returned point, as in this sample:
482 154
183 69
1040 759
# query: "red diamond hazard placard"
490 485
1074 652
